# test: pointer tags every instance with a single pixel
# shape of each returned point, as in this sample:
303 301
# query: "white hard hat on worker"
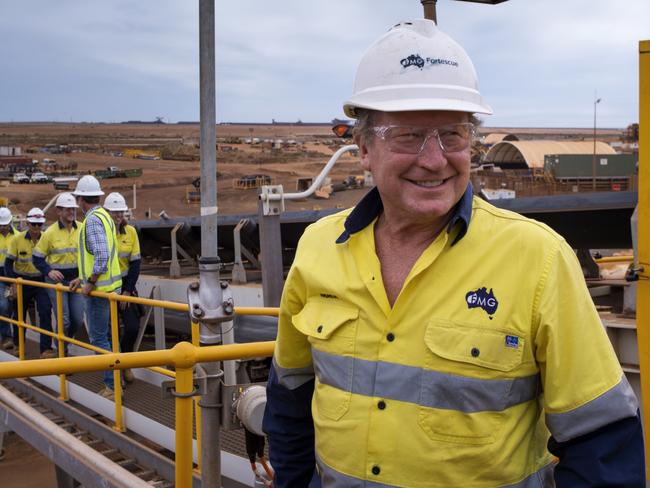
415 66
66 200
36 216
5 216
415 94
115 202
88 186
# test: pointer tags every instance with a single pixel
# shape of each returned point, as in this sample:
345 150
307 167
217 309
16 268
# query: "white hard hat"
115 202
66 200
415 66
5 216
88 186
36 216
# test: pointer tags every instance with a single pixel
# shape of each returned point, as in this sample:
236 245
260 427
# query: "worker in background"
19 264
7 233
427 338
128 251
99 269
55 256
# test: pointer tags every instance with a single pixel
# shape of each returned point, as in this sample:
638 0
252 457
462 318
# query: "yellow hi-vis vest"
110 279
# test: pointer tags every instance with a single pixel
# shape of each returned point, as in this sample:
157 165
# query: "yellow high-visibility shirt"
59 246
443 389
4 246
128 247
20 250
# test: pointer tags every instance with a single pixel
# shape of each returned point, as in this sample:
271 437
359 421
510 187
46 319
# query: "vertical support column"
643 289
184 388
115 339
21 318
271 256
60 332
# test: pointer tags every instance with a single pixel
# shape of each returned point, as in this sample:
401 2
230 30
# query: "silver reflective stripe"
63 250
64 266
38 253
124 254
3 251
330 478
11 256
109 281
437 390
125 273
30 274
82 244
24 260
292 378
541 479
134 257
615 404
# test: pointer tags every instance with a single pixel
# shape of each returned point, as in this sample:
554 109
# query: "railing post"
115 346
60 332
197 401
21 318
184 389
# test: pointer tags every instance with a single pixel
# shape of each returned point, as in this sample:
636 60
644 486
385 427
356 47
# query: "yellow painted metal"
184 389
643 285
270 311
115 343
196 336
21 318
63 390
615 259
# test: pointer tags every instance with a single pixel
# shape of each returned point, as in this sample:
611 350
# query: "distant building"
10 151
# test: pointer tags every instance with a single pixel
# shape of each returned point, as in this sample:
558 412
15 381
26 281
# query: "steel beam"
643 289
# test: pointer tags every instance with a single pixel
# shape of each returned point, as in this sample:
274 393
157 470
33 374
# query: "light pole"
593 161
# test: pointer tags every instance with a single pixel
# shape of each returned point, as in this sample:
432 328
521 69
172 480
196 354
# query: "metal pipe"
430 10
317 182
208 129
63 390
614 259
111 471
117 382
184 389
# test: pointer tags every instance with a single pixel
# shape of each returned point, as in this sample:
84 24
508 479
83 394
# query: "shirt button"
376 470
319 329
390 337
381 404
475 352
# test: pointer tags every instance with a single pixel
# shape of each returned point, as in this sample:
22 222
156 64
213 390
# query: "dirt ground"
24 466
164 184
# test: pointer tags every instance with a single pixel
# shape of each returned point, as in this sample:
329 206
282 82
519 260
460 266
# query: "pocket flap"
320 318
490 348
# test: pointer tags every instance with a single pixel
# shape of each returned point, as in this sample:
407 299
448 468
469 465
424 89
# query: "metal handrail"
183 357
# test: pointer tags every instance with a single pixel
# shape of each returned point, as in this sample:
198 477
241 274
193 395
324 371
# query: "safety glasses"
410 139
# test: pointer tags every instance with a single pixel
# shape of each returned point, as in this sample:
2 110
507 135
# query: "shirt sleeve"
129 281
12 250
287 417
586 393
40 253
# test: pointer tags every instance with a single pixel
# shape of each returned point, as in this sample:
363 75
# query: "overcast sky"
539 61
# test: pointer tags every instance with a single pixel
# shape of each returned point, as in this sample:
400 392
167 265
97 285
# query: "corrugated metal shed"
495 137
531 153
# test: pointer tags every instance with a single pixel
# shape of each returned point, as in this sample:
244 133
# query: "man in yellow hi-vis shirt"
55 256
427 338
7 233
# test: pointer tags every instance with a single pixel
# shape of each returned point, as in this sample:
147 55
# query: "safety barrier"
183 357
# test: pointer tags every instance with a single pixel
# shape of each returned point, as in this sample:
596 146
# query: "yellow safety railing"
183 357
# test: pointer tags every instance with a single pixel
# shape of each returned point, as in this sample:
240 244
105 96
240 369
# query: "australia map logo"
484 299
420 62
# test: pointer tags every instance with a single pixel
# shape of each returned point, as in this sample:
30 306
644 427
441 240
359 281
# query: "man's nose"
432 156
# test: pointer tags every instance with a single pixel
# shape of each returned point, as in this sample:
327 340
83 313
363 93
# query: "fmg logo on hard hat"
484 299
420 62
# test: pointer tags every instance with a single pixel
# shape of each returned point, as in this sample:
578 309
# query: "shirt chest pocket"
470 382
331 329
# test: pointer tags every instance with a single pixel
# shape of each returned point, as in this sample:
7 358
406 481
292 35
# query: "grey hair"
366 123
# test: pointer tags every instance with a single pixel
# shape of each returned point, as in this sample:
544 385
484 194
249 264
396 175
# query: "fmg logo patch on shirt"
484 299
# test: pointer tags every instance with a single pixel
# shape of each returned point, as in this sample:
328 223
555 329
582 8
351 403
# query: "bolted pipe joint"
210 300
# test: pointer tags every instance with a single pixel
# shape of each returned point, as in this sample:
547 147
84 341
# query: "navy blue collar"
62 225
371 206
28 236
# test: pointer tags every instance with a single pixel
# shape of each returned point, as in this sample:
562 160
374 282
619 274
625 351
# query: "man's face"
417 188
66 214
34 229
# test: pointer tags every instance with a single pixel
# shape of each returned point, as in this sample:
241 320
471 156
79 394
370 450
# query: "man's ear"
364 157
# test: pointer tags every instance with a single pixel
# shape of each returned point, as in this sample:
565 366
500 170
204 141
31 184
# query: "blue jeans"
6 310
98 318
44 309
73 310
